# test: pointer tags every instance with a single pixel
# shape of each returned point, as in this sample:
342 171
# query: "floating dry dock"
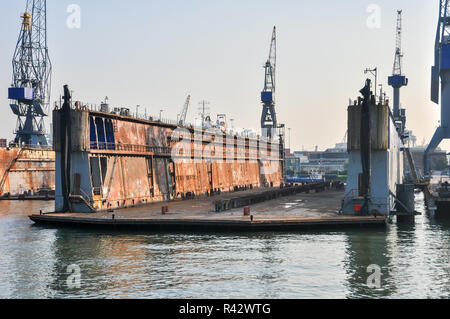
117 171
313 210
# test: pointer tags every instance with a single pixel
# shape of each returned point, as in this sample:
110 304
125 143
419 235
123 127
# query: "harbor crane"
398 80
344 140
269 116
441 69
30 89
183 115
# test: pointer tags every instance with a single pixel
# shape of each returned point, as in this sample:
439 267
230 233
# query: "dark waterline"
414 260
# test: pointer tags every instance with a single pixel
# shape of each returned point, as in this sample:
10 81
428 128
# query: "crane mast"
30 89
269 117
183 115
398 46
440 70
398 80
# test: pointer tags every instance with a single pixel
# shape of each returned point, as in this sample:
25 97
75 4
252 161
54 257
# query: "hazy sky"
155 53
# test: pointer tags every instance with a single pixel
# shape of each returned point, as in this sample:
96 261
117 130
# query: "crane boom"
398 80
270 82
398 47
183 115
269 117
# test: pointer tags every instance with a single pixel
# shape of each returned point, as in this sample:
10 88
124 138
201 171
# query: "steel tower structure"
441 69
182 119
398 80
30 89
269 116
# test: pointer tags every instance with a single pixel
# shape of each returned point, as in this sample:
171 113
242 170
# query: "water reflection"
365 249
26 256
414 260
271 270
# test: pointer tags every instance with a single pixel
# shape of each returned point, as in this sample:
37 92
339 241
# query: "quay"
301 211
29 197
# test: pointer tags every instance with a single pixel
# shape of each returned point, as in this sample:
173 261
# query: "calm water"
414 259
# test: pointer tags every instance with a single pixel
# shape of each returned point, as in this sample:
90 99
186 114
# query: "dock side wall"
59 200
379 182
23 170
387 160
121 162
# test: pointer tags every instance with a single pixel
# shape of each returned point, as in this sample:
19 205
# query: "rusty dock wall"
26 170
119 161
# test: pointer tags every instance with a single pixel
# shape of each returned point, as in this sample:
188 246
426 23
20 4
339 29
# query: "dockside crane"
30 89
183 114
269 116
441 69
398 80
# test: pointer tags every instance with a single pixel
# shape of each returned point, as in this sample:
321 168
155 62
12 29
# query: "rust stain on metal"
23 170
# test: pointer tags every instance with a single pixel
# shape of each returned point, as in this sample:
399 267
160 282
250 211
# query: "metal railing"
132 148
353 194
31 147
120 111
84 197
158 119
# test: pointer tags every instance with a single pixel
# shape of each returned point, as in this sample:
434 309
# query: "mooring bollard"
164 210
246 211
113 216
251 218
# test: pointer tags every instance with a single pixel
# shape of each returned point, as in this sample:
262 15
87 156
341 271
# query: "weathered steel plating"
26 170
119 161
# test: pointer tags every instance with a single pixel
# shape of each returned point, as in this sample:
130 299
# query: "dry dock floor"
313 210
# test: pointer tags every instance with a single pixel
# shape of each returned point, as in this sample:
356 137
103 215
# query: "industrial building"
331 160
292 163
